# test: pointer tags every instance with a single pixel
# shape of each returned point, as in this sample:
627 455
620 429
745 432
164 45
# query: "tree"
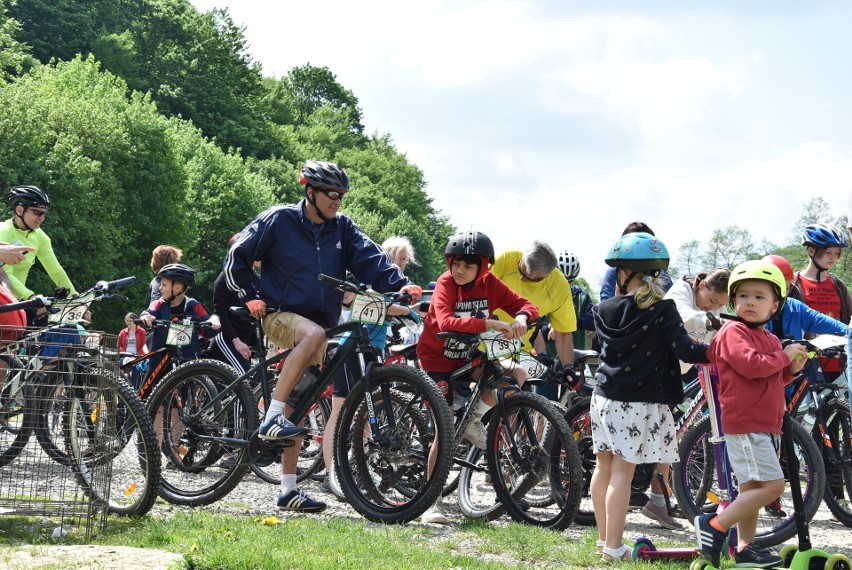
14 55
688 257
728 247
312 87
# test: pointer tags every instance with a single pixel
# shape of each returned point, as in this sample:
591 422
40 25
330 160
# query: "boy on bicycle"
175 306
753 369
464 301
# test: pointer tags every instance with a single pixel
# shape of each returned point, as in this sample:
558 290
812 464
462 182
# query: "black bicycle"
204 410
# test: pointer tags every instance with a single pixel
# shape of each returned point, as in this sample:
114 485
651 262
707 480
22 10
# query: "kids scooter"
644 548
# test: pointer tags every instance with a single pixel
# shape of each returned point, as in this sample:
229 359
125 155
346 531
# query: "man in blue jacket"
295 244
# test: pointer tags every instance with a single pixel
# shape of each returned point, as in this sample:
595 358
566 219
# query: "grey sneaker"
436 514
325 486
660 514
476 434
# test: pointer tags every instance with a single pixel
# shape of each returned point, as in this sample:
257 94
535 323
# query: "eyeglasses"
38 213
526 277
333 194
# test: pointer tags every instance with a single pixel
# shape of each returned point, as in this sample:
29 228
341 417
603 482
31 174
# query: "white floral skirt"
638 432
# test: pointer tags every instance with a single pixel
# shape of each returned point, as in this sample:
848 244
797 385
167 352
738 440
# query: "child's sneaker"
325 485
298 500
279 427
475 433
756 557
436 514
660 514
709 539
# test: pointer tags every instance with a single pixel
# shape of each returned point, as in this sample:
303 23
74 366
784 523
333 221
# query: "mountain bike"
97 412
207 410
817 404
532 461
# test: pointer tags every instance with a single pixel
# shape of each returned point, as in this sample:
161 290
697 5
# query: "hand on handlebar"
257 308
147 319
415 291
713 322
214 322
798 356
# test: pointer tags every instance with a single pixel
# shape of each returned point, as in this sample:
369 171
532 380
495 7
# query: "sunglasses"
333 194
38 213
526 277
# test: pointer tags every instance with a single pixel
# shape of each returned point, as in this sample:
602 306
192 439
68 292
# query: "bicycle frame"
361 344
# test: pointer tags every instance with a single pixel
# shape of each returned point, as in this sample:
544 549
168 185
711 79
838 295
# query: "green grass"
212 541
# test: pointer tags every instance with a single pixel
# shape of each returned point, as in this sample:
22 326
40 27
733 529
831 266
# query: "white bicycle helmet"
569 265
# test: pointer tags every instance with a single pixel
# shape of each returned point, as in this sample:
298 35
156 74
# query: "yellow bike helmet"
758 269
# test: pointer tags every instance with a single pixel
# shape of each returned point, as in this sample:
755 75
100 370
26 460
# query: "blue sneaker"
298 500
710 540
279 427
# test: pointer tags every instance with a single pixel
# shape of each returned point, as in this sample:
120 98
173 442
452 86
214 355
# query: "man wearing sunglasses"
29 208
295 244
533 275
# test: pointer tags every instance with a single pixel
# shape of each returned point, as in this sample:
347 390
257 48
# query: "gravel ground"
255 497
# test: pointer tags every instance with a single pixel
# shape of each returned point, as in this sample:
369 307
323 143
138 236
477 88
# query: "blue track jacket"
797 319
293 251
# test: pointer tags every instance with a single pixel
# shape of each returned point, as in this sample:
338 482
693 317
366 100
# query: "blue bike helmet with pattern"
638 252
824 235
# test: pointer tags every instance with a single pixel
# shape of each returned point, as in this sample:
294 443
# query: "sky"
563 120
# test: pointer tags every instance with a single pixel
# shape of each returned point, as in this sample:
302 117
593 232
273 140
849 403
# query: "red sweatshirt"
464 310
753 370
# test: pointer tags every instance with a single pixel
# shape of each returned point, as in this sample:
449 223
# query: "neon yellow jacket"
38 240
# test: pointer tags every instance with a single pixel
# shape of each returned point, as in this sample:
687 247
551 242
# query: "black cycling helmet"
29 196
324 176
470 243
178 272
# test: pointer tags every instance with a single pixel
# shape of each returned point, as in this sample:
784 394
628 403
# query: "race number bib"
179 334
497 347
368 309
71 311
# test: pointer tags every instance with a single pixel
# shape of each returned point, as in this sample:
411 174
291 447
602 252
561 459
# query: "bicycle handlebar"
347 287
110 285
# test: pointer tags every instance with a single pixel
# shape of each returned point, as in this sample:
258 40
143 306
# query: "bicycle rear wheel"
476 493
106 423
382 467
191 475
836 449
580 425
776 523
531 456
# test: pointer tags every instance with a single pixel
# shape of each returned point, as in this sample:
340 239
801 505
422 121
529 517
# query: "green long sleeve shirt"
40 242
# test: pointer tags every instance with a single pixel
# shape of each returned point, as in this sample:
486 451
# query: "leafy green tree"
54 28
312 87
688 257
727 247
14 55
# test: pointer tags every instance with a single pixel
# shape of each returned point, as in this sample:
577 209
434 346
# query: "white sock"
658 499
288 483
481 409
275 407
616 553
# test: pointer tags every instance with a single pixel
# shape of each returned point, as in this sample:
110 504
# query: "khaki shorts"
280 329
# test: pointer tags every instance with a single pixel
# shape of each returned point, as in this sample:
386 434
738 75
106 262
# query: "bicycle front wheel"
18 410
836 449
382 465
193 435
534 462
105 424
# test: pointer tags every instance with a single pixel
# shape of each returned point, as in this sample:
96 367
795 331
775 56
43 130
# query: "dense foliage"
147 123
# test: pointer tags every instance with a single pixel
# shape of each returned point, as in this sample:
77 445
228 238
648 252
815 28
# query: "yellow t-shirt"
552 296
